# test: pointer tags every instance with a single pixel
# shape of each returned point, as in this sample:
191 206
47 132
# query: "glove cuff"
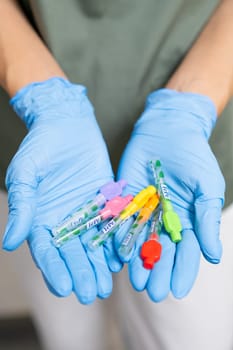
30 101
200 106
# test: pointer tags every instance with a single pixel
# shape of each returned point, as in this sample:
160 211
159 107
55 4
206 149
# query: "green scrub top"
121 50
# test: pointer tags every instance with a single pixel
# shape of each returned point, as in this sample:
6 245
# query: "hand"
61 164
175 128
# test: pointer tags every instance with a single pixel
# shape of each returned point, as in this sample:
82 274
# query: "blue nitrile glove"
61 164
175 128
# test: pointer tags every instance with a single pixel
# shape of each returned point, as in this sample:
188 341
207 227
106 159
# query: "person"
125 53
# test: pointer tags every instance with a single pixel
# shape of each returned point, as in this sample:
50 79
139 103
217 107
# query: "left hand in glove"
175 128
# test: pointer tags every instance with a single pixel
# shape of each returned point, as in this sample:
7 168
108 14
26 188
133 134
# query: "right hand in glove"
60 164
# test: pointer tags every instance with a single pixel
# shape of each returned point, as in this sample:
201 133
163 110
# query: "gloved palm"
61 164
175 128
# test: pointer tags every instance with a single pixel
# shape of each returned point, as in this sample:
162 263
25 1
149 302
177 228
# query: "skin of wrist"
18 76
219 96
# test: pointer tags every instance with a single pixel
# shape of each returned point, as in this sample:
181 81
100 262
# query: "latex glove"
175 128
61 163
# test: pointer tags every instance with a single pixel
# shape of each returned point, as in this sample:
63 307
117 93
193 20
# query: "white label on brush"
109 226
164 190
93 222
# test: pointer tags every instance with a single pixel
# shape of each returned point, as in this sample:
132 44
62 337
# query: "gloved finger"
187 261
51 289
138 275
113 261
99 264
22 204
102 272
158 285
81 271
207 226
49 261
